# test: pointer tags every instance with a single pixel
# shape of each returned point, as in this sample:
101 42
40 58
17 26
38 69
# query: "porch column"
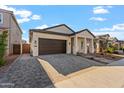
75 49
97 46
92 46
85 46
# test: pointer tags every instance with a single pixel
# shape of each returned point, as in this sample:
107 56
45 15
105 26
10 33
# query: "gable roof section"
83 31
49 31
61 29
104 35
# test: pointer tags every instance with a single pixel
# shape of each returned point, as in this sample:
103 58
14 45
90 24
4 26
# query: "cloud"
24 15
100 10
116 30
7 8
97 19
36 17
116 27
109 6
23 20
42 26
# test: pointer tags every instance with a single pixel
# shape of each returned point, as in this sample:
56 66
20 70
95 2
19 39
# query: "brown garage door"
51 46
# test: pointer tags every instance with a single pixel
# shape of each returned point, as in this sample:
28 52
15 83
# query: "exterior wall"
36 35
6 20
77 42
6 24
15 35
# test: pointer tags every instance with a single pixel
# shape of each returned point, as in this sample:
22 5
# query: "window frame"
1 22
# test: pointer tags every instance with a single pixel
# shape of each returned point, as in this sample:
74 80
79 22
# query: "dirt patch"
108 56
9 60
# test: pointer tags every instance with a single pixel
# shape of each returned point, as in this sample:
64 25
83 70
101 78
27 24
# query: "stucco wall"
15 35
6 20
84 35
36 35
6 24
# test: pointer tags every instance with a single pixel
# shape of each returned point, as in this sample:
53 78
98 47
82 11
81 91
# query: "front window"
1 18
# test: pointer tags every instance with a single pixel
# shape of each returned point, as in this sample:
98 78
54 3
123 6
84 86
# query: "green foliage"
3 45
110 49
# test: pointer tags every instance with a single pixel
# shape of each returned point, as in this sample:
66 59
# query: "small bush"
110 50
3 45
2 61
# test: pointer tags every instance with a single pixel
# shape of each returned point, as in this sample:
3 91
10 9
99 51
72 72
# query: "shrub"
3 45
110 49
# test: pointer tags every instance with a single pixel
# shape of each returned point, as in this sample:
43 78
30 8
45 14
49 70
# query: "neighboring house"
8 23
121 43
24 42
104 41
61 39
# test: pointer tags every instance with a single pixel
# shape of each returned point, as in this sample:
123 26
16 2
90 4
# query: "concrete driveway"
66 64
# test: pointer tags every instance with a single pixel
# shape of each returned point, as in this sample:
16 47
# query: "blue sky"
98 19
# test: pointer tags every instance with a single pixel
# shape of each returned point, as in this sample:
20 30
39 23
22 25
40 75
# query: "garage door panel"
51 46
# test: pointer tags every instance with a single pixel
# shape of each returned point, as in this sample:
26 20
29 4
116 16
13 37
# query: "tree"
3 45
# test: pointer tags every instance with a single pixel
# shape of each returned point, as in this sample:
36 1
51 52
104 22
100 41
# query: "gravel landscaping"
26 72
67 64
8 61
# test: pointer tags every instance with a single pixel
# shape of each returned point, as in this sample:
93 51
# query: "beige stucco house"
104 41
9 23
60 39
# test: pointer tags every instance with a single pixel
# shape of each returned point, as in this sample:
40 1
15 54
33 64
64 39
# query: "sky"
98 19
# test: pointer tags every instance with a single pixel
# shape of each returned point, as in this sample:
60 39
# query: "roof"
121 41
58 33
85 30
47 30
103 35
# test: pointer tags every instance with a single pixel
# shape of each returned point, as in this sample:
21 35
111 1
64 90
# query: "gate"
25 48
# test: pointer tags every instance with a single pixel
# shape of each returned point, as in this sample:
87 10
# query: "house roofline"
58 33
58 26
83 31
49 32
102 35
54 27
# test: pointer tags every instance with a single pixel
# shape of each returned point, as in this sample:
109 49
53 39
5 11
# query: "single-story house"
121 43
60 39
104 41
9 23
